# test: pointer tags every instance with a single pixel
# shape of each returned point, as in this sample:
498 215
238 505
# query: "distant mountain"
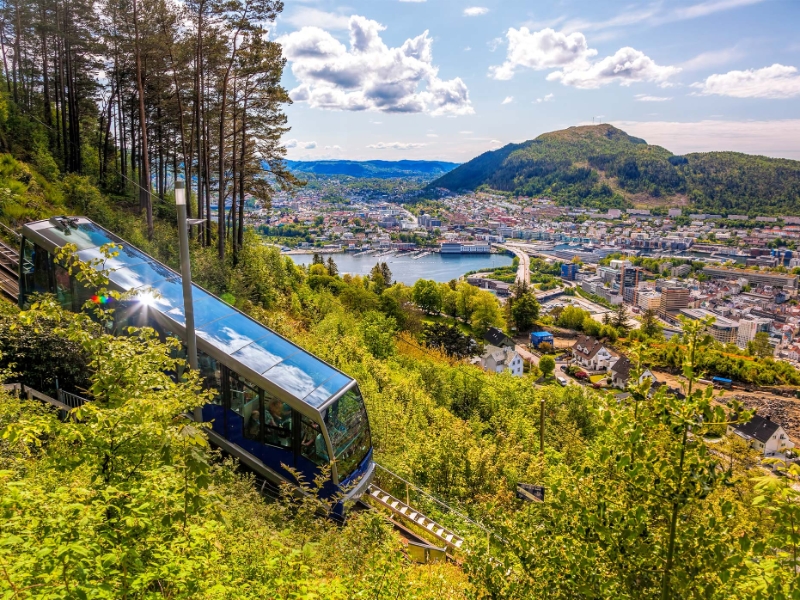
603 166
381 169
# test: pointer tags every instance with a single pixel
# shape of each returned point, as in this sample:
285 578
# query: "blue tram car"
274 404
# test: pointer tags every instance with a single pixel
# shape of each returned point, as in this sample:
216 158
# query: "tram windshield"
348 428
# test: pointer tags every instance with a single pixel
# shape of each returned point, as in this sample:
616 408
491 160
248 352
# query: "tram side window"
64 291
277 423
210 374
35 268
313 442
246 402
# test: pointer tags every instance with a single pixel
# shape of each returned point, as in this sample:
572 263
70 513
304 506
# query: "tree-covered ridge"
381 169
603 166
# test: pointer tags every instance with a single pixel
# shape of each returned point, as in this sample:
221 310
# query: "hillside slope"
603 166
373 168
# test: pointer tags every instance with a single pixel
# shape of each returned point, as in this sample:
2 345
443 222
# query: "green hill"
603 166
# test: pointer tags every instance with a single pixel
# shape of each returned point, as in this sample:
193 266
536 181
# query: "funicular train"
273 404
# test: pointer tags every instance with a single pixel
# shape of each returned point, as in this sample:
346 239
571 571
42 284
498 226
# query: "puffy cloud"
475 11
431 135
370 75
395 146
647 98
571 55
626 66
313 17
776 82
547 98
545 49
508 100
297 144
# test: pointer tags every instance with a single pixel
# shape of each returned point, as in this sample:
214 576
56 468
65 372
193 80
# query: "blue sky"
448 80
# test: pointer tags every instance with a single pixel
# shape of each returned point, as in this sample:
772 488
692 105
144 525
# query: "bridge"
524 270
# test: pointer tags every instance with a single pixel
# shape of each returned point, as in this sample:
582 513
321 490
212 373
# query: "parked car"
562 381
564 368
581 375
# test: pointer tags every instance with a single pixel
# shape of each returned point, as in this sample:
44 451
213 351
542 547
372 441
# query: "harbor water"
407 268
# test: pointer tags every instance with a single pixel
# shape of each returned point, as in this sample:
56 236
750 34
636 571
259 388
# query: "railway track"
9 272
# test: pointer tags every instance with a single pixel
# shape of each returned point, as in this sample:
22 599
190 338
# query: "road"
524 270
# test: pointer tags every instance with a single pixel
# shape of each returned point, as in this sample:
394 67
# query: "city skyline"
449 80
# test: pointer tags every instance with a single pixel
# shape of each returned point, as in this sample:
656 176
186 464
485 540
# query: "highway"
524 270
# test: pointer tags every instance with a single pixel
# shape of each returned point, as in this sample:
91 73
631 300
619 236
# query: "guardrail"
66 400
403 485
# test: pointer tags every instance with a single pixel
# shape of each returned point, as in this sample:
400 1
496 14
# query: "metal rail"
9 270
447 507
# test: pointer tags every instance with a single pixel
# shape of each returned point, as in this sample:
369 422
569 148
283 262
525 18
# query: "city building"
680 270
672 300
648 300
753 277
749 327
541 337
723 329
569 271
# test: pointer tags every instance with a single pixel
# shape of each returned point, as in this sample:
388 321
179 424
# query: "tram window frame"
307 424
235 380
271 435
32 280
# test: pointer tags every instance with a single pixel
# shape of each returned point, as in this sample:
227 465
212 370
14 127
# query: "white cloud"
293 143
780 138
466 132
508 100
494 43
547 98
475 11
775 82
707 8
545 49
369 75
431 135
626 66
395 146
657 13
714 58
647 98
313 17
467 49
335 147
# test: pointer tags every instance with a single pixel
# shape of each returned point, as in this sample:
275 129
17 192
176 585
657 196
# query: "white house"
621 373
592 354
763 434
500 359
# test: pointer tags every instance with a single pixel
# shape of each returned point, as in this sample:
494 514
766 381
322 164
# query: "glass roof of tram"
246 341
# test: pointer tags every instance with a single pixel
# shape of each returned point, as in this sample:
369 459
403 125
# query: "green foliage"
427 296
547 365
449 339
523 308
602 166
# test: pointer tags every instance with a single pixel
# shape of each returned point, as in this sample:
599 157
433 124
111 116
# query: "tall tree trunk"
242 163
148 201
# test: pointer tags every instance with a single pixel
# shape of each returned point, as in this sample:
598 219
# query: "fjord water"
405 269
